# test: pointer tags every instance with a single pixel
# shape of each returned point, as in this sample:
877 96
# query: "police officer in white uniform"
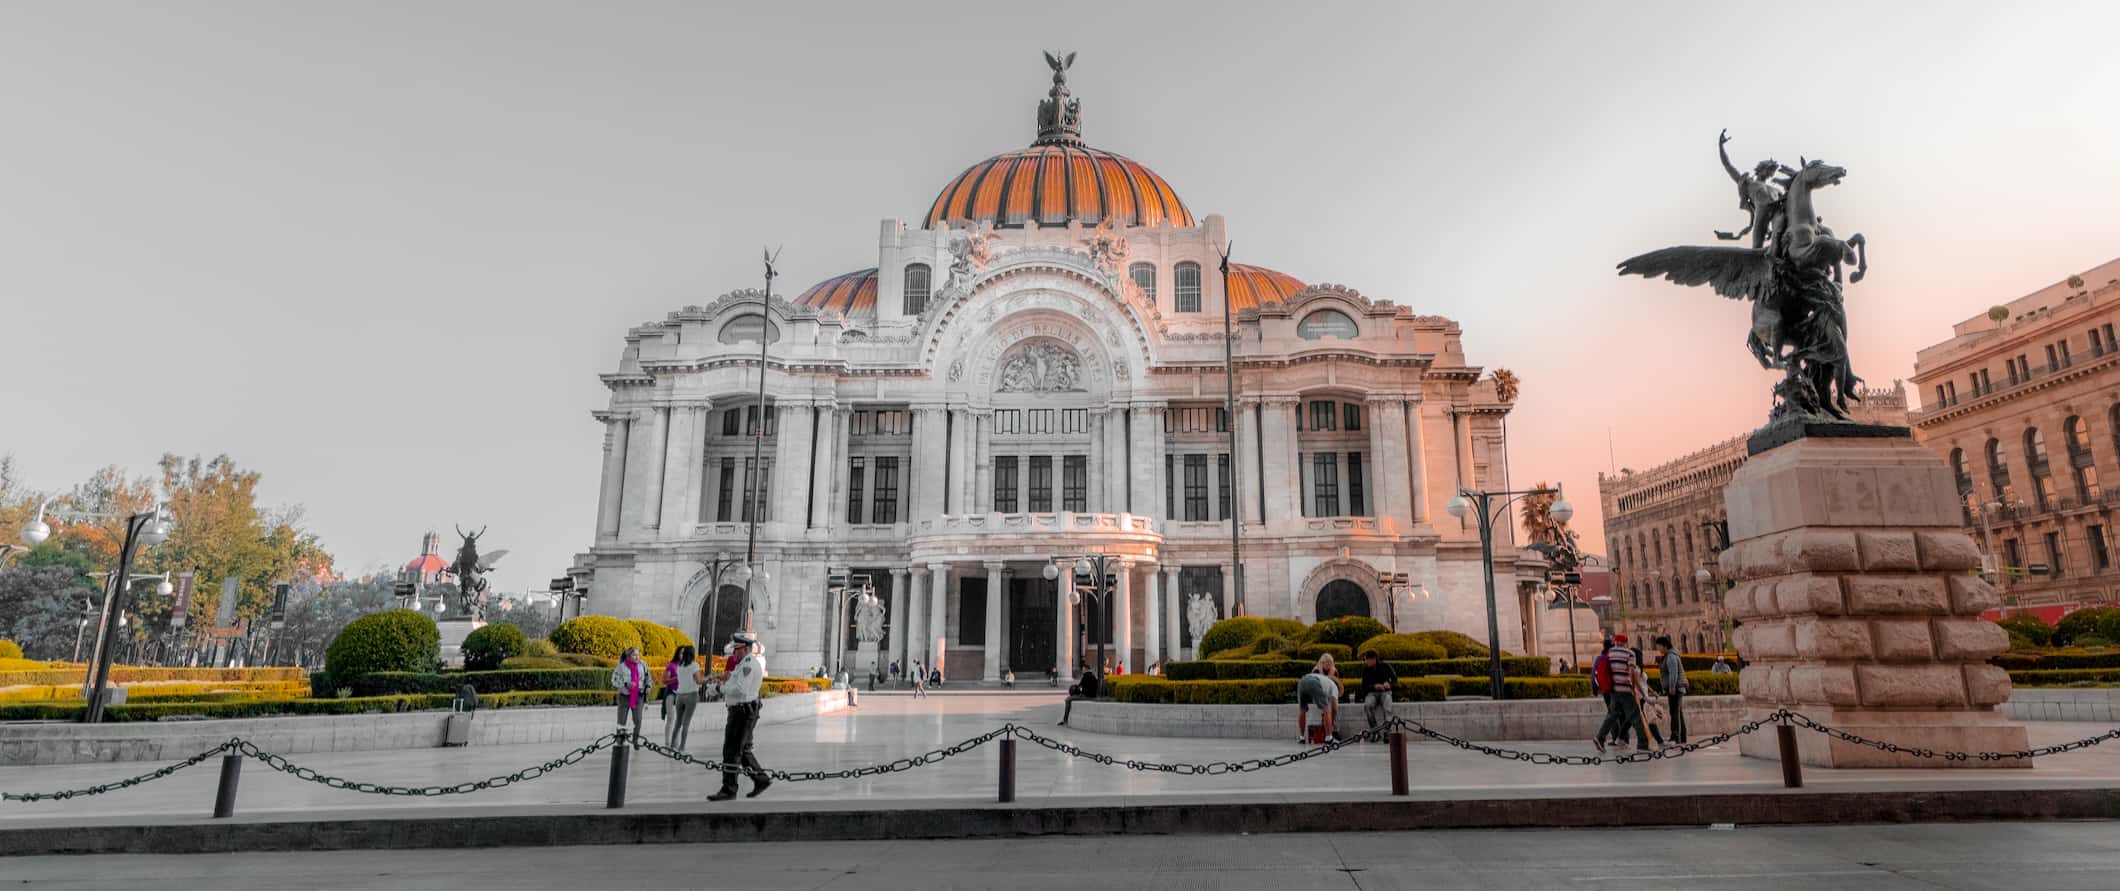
739 689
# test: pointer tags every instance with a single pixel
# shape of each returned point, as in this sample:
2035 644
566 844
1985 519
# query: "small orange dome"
1250 286
1053 183
850 294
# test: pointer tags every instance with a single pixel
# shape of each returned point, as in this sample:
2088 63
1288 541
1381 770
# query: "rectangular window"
1222 420
2064 354
732 422
754 481
2101 559
1195 487
2087 487
2110 343
1325 484
1005 484
1040 498
1350 417
1041 420
971 612
2097 343
724 498
2012 558
856 476
1940 400
1321 415
1170 486
2024 366
2046 492
2053 554
1074 483
1357 504
1144 276
1008 420
2012 367
1973 383
861 423
883 501
1222 484
1951 387
2053 361
1987 383
1074 420
1187 287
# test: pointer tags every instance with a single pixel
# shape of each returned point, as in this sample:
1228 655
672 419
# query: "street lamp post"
745 573
752 509
1469 500
1396 585
1236 457
1097 567
147 529
1558 588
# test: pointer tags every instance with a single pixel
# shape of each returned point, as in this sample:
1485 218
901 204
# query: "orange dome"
1054 182
1250 286
852 293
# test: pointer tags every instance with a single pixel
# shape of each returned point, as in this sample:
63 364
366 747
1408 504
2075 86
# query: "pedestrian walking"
1622 716
740 690
1318 690
682 679
1008 679
1378 677
919 682
1674 671
630 678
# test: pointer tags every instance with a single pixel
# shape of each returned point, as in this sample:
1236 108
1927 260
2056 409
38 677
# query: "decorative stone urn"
1859 600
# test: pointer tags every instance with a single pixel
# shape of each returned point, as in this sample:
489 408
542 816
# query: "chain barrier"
933 756
1211 768
126 783
281 764
1678 750
1918 752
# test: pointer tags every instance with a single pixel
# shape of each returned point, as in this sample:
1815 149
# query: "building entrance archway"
1341 597
727 620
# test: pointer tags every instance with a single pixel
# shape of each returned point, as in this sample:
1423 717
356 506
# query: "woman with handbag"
630 679
682 679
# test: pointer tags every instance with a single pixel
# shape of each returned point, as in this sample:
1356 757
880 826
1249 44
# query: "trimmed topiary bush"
534 663
1288 628
1345 631
2093 640
1231 634
1454 644
1397 647
655 643
541 648
392 640
680 639
586 660
1340 653
2031 627
595 636
485 648
2081 623
396 683
10 650
2019 643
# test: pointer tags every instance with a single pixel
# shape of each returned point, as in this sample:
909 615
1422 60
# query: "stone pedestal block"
1858 609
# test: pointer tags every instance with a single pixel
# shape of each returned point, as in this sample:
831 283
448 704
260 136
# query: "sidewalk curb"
485 829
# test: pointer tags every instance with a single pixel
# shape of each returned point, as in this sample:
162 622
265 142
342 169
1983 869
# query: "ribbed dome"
1053 183
1250 286
851 294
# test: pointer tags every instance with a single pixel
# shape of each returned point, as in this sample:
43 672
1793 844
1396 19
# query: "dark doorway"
1341 597
1031 647
728 619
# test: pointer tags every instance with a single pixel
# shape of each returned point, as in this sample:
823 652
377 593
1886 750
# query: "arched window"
1327 323
1144 276
917 276
2080 460
745 327
1185 286
1998 462
1341 597
2042 472
1963 475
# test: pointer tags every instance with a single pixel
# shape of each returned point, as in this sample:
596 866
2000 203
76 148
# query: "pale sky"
380 251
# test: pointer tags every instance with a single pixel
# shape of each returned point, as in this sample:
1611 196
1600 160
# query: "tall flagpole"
758 437
1236 458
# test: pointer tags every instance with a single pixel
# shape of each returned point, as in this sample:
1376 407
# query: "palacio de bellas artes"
1034 369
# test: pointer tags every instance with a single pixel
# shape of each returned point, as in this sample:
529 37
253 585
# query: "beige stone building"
1660 530
2023 402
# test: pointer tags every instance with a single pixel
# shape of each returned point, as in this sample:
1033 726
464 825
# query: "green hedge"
9 649
1402 648
1700 683
2064 677
261 708
391 640
485 648
540 648
1231 670
2052 661
1347 631
127 674
1454 644
1282 691
530 663
2085 623
1340 653
1229 634
396 683
595 636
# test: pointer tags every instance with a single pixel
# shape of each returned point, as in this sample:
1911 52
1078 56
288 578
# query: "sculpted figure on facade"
868 621
1041 368
1107 248
1199 616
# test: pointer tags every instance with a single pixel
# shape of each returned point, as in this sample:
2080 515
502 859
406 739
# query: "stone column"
1100 466
650 512
1461 424
1117 468
695 490
964 462
825 462
1151 621
1860 609
678 477
916 618
610 499
1173 610
790 499
899 626
938 616
1277 447
1251 490
842 481
1387 458
1145 476
1417 461
836 641
1229 589
928 470
983 487
1122 614
1064 641
996 582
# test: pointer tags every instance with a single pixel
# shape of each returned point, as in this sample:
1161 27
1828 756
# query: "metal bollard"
224 800
1791 766
1008 770
1399 783
621 754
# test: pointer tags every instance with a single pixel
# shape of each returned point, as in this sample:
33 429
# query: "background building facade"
2024 403
1660 530
1034 369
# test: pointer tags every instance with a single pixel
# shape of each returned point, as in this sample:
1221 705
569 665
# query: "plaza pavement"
890 726
2011 856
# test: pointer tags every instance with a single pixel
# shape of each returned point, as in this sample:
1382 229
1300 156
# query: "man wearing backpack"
1616 673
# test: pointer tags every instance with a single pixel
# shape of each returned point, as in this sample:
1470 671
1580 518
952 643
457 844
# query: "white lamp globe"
1421 593
164 588
35 532
155 532
1459 506
1083 567
764 576
1051 572
1561 511
1702 576
743 572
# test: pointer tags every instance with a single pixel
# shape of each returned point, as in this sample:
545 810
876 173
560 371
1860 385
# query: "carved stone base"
1854 585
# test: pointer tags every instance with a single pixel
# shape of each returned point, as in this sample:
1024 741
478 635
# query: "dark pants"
1623 717
736 746
1678 718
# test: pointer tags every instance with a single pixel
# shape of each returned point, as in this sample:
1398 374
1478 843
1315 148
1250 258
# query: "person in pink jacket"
630 678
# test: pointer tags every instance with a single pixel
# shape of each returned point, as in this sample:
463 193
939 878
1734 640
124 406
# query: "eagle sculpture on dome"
1059 117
